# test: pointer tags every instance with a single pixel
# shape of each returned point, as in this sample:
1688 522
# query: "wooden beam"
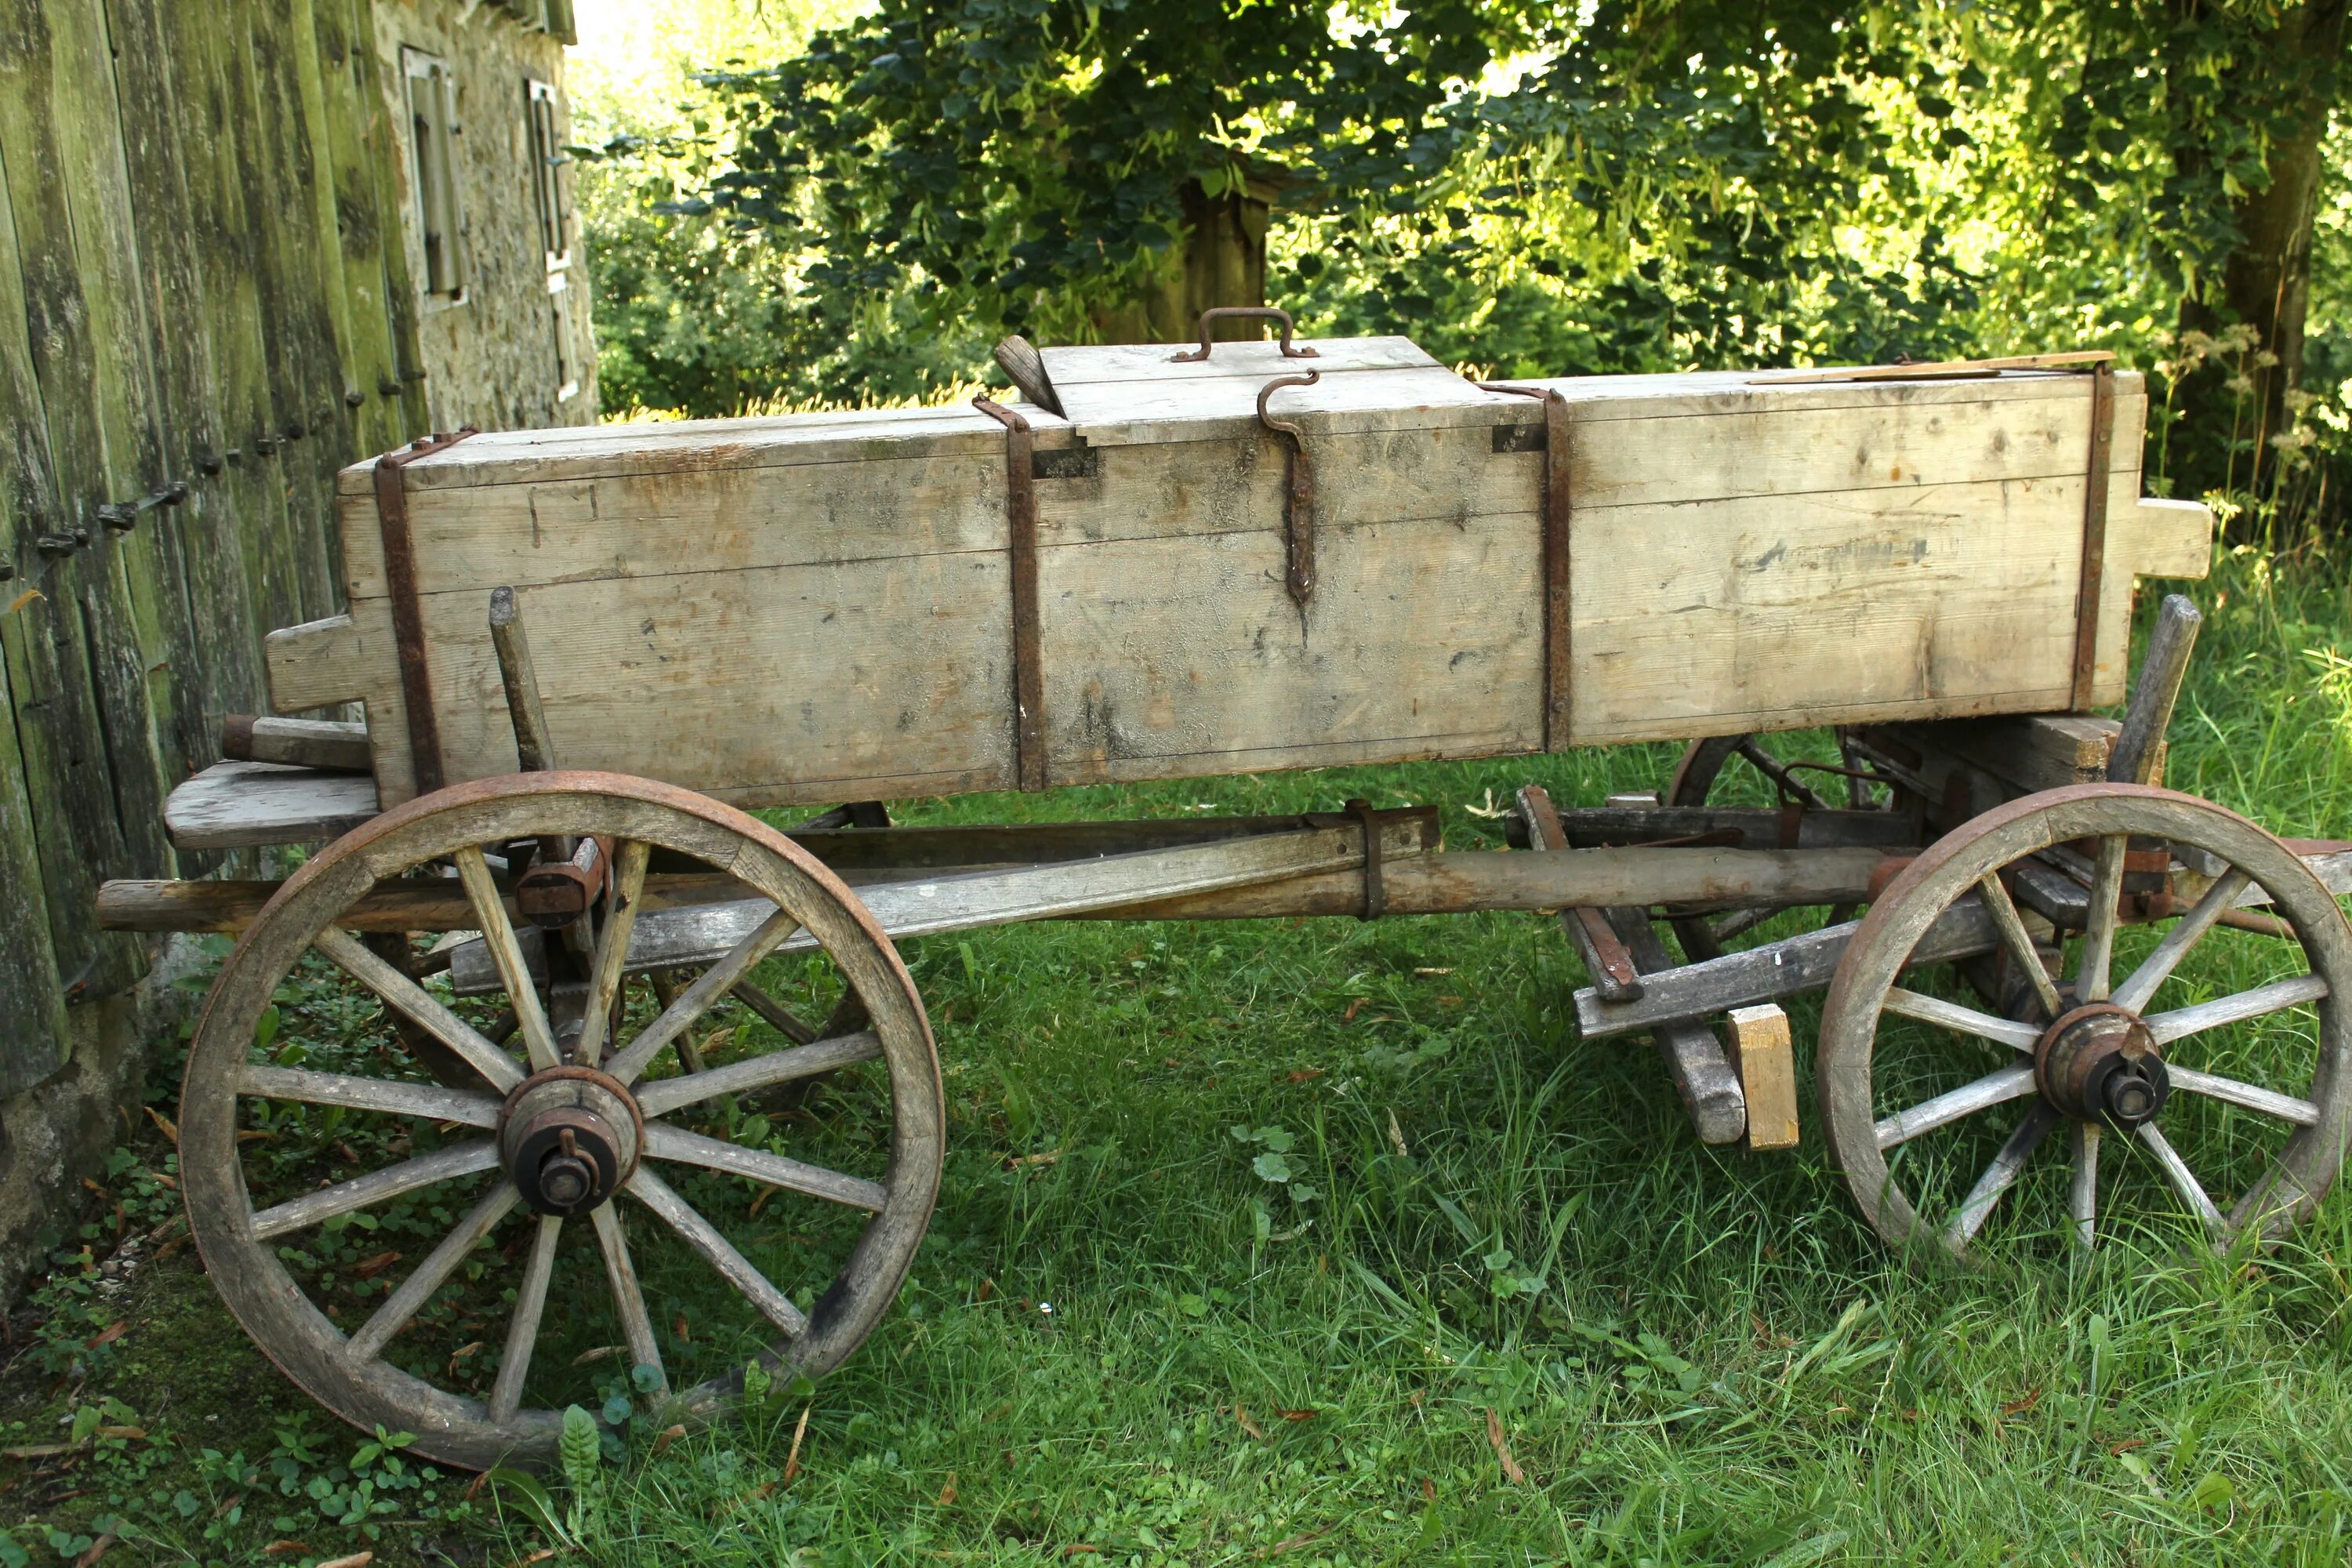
1763 1055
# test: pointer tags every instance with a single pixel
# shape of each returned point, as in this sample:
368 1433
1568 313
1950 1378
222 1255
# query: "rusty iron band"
1557 514
407 611
1298 500
1376 893
1021 534
2095 536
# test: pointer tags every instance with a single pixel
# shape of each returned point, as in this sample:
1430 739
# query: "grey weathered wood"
278 1308
732 963
397 990
245 806
522 1329
313 1088
1961 1020
1996 1088
1605 958
2236 1008
2002 1174
2141 985
663 1095
296 742
1769 972
519 677
2307 1155
467 1159
2161 670
505 953
2253 1097
429 1275
664 1142
718 1251
2184 1179
628 1293
1703 1075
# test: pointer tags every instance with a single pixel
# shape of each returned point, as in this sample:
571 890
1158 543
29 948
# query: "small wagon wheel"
1705 769
2224 1081
555 1135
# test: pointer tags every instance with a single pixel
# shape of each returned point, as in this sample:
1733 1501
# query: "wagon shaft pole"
2155 691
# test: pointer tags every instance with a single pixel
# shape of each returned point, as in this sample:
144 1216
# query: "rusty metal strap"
1557 514
1021 534
1298 498
2095 536
1376 893
407 611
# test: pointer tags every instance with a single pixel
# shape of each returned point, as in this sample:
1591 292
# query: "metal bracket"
1020 537
1558 512
1299 505
1242 312
407 609
1376 894
2094 535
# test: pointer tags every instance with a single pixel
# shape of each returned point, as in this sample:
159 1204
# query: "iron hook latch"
1299 505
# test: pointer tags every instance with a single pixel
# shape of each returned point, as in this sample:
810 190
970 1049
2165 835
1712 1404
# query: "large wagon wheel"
2226 1076
1705 770
561 1133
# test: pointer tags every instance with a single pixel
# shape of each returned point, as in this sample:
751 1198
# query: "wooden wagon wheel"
1705 769
2247 1087
560 1131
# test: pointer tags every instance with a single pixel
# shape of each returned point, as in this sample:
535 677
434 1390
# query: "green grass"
1692 1355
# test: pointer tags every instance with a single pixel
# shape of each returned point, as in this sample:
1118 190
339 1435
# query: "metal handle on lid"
1236 312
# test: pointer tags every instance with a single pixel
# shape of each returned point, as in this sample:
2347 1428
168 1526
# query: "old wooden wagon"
583 654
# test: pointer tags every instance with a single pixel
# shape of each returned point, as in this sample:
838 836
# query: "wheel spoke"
522 1329
2083 1199
698 998
430 1275
2014 937
663 1096
2184 1181
2105 911
397 990
514 972
628 1295
1994 1088
429 1100
2270 1102
664 1142
612 947
2262 1001
2001 1174
778 1016
476 1155
705 1238
2218 900
1961 1020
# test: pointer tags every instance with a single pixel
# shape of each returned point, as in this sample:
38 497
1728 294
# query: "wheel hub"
569 1138
2100 1063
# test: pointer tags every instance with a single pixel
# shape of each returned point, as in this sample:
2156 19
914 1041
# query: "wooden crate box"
820 607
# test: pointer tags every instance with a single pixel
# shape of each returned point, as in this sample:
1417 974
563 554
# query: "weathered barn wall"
207 307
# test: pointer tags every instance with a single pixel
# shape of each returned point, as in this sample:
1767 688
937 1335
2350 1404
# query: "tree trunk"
1223 264
2265 282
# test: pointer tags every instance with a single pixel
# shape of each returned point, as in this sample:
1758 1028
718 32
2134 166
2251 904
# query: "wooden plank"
296 742
1764 1057
1173 658
214 642
1785 612
357 213
243 805
1770 972
740 518
250 534
49 414
1694 1057
1118 365
32 1009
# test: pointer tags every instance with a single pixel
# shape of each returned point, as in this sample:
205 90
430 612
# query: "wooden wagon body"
821 606
1166 563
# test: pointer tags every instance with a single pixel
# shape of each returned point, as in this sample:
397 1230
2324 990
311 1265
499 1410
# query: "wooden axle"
1416 884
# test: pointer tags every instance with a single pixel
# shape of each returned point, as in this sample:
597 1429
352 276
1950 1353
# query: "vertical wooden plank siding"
202 284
